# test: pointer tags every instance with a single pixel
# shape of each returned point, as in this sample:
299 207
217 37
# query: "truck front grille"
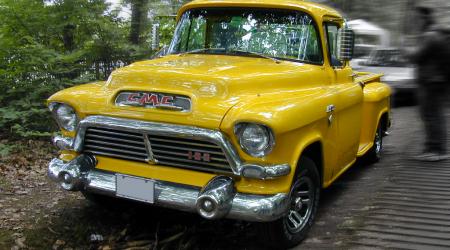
189 153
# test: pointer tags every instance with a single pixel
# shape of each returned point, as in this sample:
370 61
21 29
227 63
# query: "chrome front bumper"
218 199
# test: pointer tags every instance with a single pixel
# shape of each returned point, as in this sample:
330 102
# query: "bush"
46 46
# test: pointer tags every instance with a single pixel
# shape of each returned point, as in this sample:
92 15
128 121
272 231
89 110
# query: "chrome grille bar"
182 142
114 139
118 133
186 155
176 147
89 141
194 167
172 159
138 153
126 157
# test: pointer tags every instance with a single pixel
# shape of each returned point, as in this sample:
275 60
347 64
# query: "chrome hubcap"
302 197
378 143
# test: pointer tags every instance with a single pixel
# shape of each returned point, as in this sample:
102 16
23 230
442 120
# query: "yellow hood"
215 83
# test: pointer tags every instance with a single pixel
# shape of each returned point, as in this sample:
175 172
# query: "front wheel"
374 154
291 229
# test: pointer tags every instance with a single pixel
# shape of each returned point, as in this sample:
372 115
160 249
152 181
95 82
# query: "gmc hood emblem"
154 100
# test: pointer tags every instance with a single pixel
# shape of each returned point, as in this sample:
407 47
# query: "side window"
180 39
331 30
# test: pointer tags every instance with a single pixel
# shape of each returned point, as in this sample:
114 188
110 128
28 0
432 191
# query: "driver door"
349 98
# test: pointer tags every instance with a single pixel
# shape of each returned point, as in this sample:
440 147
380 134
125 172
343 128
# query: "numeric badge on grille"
154 100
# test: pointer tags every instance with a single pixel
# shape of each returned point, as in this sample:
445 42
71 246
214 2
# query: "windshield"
280 34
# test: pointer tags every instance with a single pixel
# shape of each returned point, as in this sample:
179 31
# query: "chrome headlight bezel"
59 110
242 130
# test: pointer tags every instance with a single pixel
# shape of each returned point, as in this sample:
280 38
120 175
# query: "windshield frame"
314 23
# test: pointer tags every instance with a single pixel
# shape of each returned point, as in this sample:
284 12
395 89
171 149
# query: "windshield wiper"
202 50
255 54
235 51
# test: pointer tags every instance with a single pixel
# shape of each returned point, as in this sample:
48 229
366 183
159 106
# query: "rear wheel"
291 229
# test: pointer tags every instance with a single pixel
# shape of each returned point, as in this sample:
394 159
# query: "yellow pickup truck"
248 114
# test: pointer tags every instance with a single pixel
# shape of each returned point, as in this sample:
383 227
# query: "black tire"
374 154
283 233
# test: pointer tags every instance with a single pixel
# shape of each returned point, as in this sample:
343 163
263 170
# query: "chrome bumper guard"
218 199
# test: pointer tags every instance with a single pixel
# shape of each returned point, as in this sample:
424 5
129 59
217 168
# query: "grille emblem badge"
199 156
154 100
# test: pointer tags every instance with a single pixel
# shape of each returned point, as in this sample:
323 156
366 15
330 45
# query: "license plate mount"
135 188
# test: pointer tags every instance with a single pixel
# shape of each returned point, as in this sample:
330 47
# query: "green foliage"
48 45
166 31
7 149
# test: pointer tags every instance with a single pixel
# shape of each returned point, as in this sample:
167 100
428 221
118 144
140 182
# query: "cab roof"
314 9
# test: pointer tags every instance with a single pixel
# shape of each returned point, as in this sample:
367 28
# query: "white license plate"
135 188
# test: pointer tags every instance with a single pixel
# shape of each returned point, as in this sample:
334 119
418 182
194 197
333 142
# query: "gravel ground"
35 214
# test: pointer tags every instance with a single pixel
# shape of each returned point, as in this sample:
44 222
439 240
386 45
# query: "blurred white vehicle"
398 72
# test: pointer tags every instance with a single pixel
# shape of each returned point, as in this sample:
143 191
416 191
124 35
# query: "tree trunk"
138 17
68 37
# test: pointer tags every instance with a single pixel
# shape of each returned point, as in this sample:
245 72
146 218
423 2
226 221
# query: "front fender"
297 120
282 112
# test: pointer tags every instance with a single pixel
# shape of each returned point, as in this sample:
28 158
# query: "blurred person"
432 57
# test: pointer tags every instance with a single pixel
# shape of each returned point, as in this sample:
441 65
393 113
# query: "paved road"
398 203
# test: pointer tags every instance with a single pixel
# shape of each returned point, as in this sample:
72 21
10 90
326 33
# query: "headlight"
65 116
256 140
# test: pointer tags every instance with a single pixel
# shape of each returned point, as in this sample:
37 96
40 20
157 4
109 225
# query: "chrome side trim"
154 128
265 172
248 207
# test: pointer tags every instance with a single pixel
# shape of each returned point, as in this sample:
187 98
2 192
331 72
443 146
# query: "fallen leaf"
138 243
58 244
20 242
22 192
96 237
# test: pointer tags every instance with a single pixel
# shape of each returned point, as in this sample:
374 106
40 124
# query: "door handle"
330 110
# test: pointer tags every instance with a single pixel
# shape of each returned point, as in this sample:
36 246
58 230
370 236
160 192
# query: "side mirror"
155 36
346 44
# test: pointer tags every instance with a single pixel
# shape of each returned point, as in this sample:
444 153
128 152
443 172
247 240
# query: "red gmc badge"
154 100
